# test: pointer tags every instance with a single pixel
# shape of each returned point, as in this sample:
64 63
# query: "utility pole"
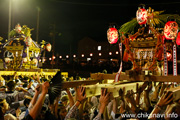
37 27
53 34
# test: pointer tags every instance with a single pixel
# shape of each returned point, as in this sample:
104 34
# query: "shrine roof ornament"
154 18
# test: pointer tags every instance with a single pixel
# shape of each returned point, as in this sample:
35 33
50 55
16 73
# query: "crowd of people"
26 98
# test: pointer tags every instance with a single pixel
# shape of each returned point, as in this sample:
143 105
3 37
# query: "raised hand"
38 89
165 99
122 93
104 100
80 93
45 87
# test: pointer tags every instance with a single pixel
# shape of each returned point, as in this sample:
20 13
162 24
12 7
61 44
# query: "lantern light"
117 52
170 30
74 56
82 55
67 56
112 35
48 47
110 53
141 16
60 57
100 54
178 39
91 54
50 58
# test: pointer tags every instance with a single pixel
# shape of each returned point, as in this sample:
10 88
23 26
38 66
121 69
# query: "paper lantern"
141 16
7 60
48 47
170 30
18 28
112 35
28 41
178 39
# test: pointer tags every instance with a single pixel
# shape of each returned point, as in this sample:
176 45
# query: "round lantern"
169 56
28 41
112 35
7 60
141 16
170 30
48 47
18 28
178 39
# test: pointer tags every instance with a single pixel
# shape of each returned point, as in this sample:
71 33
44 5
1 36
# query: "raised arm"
80 97
37 92
164 100
103 100
71 100
34 112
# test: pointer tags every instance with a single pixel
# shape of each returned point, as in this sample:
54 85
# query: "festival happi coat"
150 42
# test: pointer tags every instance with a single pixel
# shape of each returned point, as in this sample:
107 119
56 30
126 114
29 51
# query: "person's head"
25 85
64 100
11 85
94 101
25 79
62 112
42 114
26 102
86 115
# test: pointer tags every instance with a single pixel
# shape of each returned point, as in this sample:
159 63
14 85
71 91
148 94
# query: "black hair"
25 78
26 102
25 85
11 85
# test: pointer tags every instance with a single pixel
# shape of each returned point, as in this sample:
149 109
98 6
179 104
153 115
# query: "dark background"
75 19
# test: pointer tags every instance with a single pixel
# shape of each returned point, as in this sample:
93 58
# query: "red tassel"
126 55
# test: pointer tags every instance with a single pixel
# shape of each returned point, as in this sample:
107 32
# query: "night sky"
74 19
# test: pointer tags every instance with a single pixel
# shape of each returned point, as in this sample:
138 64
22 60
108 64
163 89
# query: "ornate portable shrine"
150 42
20 51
